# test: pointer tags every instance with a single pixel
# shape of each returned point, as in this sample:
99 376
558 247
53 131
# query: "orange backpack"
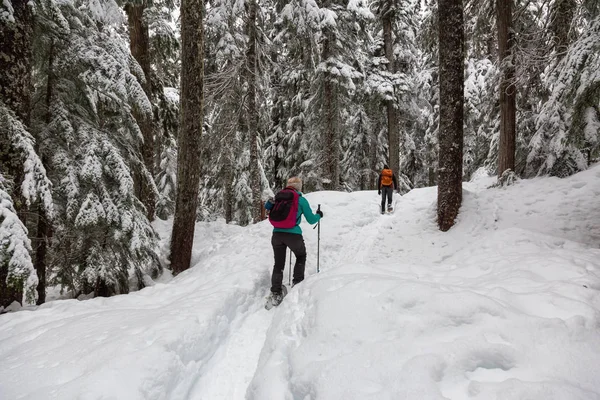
386 177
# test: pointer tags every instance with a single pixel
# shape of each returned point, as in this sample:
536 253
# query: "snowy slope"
503 306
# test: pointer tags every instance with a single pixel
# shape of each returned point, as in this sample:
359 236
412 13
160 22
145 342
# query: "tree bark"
392 114
188 162
15 91
451 48
139 43
43 226
252 73
41 252
331 153
507 142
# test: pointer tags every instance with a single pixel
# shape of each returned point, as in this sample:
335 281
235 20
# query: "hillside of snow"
505 305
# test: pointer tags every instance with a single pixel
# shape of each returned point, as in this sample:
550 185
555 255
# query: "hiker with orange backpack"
285 213
385 187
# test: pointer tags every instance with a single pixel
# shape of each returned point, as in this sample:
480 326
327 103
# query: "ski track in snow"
226 380
222 379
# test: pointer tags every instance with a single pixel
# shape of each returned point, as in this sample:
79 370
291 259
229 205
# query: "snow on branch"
36 184
15 248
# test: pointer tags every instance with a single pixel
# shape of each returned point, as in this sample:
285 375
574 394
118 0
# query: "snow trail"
222 379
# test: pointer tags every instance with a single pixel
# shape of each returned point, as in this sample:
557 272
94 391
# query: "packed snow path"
504 306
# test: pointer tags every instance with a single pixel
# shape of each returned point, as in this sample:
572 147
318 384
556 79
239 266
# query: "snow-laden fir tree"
420 146
567 136
154 43
481 114
164 80
16 267
295 55
25 185
86 93
18 278
238 111
342 27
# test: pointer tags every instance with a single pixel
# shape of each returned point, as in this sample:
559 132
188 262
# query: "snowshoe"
275 299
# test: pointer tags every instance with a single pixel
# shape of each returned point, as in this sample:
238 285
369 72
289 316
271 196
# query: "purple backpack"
284 213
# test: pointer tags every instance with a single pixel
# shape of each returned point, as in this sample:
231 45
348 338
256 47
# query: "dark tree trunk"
15 91
41 251
43 226
331 170
252 73
140 49
392 114
228 197
451 47
188 162
507 142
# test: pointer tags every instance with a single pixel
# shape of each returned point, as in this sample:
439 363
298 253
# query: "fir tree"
188 162
451 111
86 92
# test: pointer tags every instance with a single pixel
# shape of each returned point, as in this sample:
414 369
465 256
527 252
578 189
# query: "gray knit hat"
295 182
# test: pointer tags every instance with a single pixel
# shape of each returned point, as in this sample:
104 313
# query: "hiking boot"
276 299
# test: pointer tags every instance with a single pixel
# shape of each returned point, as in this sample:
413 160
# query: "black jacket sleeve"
379 182
395 182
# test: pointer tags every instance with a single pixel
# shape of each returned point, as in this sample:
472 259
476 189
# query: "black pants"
386 191
281 241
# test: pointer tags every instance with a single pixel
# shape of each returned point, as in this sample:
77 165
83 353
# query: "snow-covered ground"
505 305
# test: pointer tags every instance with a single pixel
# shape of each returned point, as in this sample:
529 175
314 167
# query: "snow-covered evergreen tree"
86 91
15 252
295 35
342 28
420 145
17 273
566 137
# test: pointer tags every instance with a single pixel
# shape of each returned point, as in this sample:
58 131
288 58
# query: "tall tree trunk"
451 47
507 142
41 252
15 90
252 73
139 43
331 154
43 226
227 171
188 162
392 114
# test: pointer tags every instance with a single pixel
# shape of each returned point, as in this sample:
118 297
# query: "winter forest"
116 113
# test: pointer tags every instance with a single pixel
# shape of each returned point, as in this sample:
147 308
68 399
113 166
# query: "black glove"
379 192
319 213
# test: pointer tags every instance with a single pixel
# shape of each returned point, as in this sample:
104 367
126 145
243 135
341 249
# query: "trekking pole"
290 269
318 238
